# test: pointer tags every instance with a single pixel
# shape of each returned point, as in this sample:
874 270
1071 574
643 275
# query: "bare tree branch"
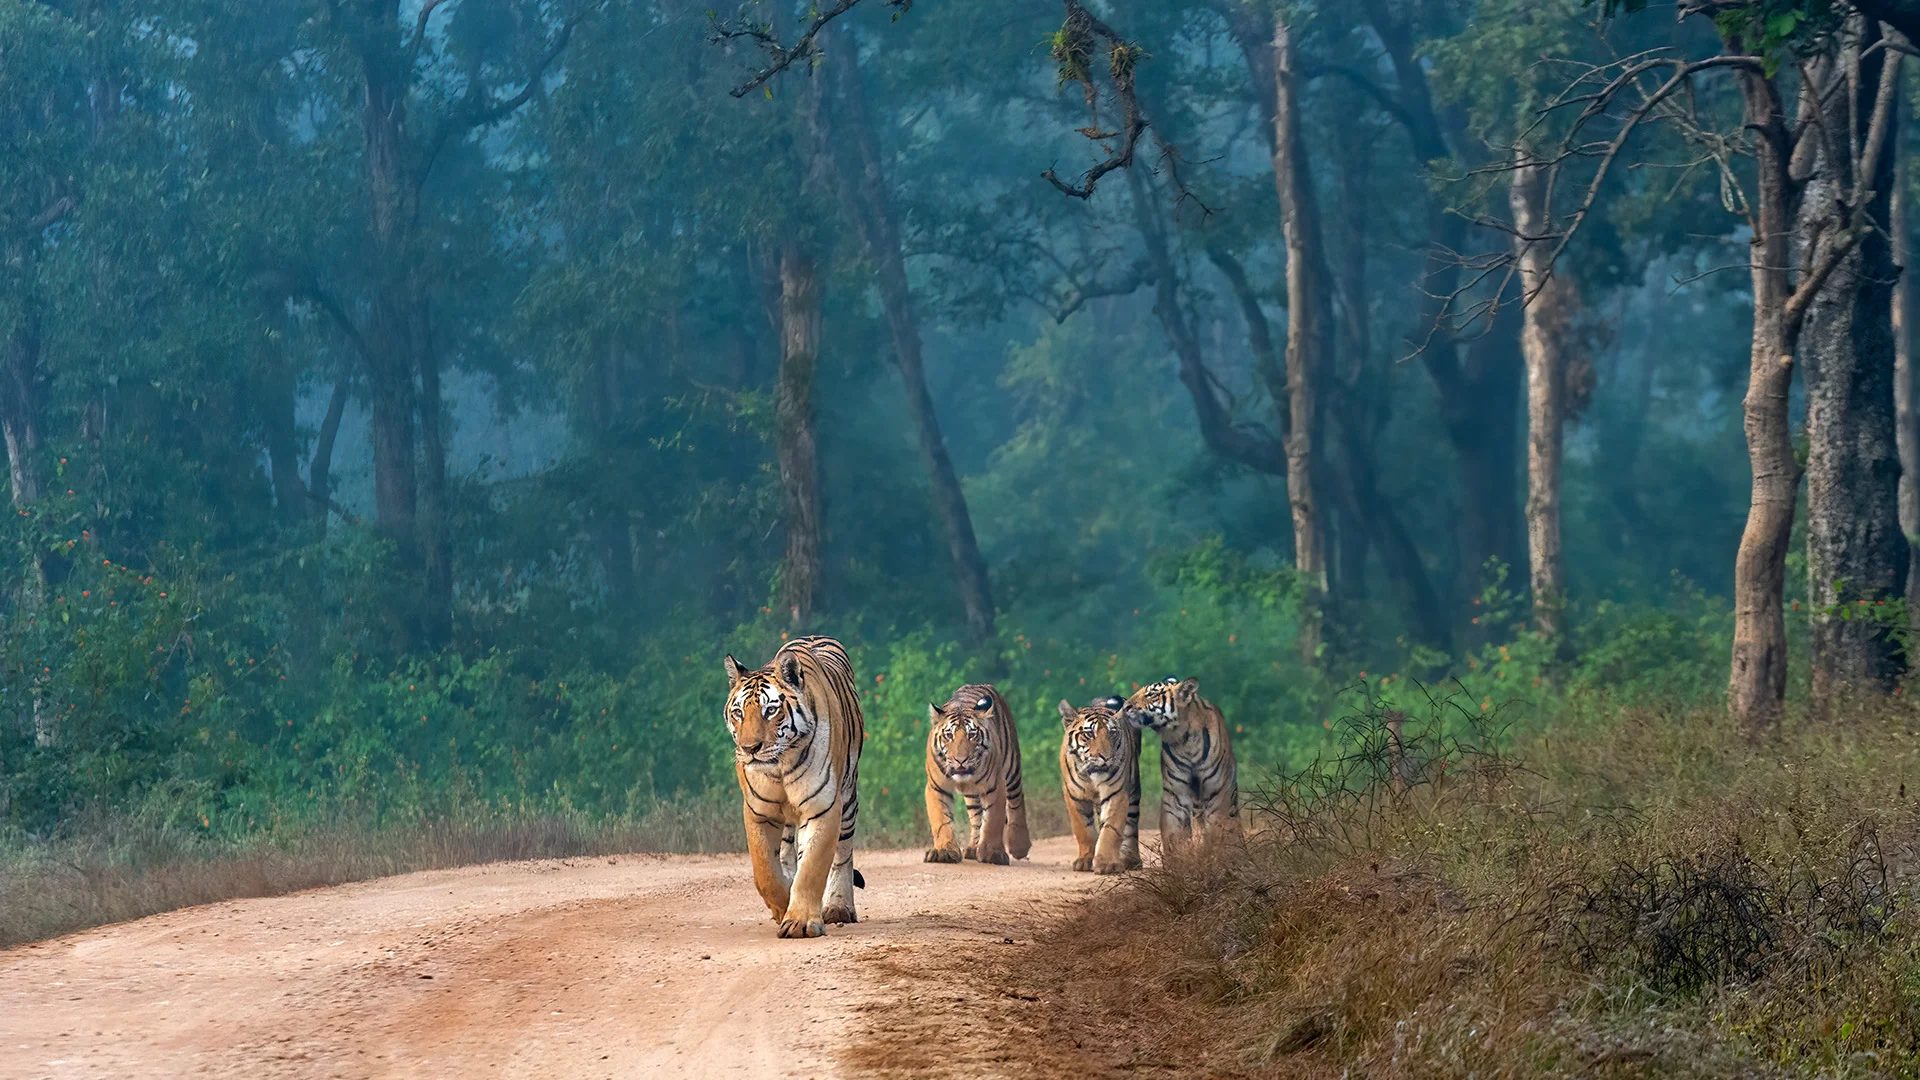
420 30
1883 112
1797 305
477 110
346 515
1861 195
1073 50
1388 103
1079 36
45 219
1655 102
1136 275
726 31
1266 358
312 291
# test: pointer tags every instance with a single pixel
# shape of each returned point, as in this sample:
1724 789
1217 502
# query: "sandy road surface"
625 967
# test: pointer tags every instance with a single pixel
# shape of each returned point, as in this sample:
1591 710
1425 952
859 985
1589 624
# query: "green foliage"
214 656
1772 29
1776 29
1507 64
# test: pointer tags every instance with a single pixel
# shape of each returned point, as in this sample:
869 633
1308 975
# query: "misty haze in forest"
407 404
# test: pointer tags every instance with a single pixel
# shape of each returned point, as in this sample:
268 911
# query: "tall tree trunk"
320 467
1252 29
1398 551
1906 419
1856 551
1620 443
1358 424
396 331
863 191
1244 444
273 404
1542 339
1757 685
1351 391
395 478
20 426
1480 406
606 407
436 619
794 431
1308 319
19 410
397 344
1479 393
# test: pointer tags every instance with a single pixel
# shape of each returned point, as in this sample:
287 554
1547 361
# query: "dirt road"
627 967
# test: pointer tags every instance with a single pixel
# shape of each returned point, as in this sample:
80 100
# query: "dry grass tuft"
1641 895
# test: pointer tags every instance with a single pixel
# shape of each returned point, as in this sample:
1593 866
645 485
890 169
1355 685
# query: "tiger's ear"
734 670
1066 712
790 670
933 713
1187 691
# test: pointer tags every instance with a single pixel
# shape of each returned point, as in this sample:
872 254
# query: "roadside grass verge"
1628 893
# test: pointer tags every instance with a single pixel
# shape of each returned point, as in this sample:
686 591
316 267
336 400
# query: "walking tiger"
1100 772
1199 788
797 733
973 750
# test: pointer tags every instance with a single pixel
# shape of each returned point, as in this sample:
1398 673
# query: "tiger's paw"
998 858
943 854
1109 867
1084 862
1134 863
836 914
802 928
972 852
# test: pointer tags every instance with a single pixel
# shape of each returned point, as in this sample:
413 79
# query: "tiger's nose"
752 747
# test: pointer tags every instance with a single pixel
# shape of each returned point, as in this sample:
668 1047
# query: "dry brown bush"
1647 894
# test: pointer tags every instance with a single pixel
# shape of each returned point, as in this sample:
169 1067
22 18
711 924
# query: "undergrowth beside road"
1637 893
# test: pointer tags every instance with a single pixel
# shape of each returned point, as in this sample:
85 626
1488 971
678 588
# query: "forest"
406 405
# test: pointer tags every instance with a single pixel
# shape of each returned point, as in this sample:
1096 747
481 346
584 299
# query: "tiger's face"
1156 705
961 740
766 713
1096 736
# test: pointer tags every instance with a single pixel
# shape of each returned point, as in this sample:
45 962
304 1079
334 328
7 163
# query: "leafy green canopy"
597 271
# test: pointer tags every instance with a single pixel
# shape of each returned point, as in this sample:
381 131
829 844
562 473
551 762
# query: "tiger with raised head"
797 733
973 751
1100 772
1199 784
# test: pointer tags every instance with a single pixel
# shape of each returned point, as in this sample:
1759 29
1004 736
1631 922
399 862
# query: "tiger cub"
1100 772
797 732
1200 794
974 751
